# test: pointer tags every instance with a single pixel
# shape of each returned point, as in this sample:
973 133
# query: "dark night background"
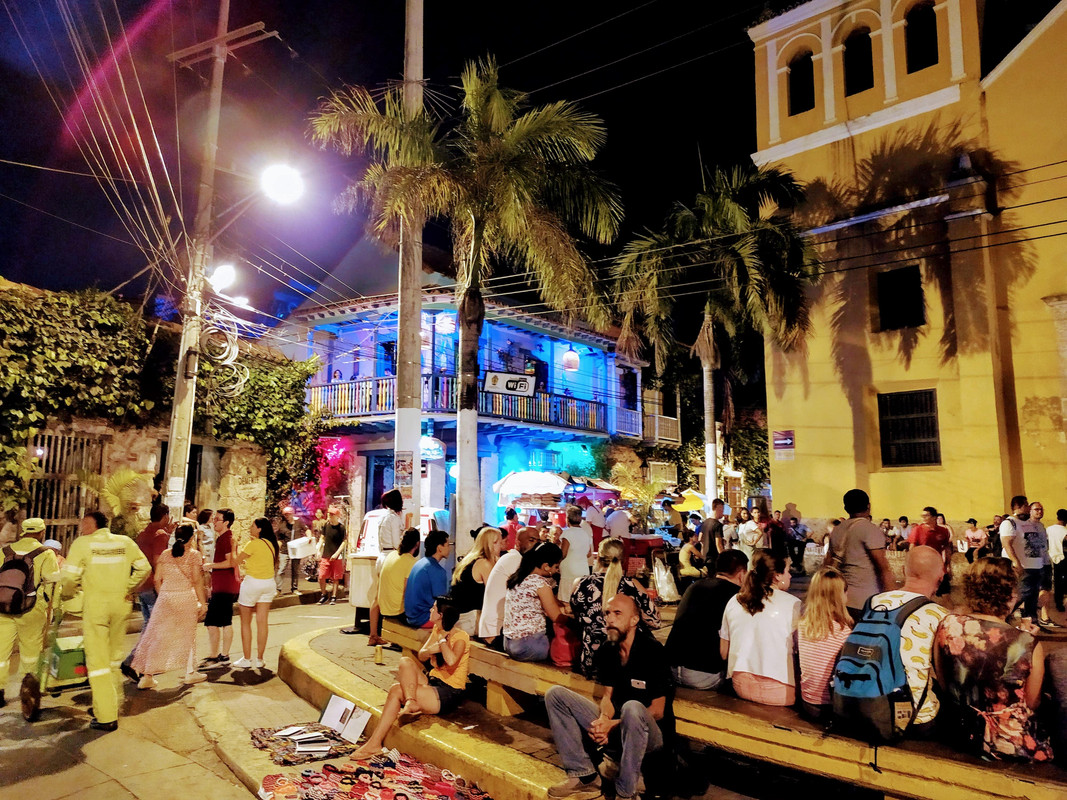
659 125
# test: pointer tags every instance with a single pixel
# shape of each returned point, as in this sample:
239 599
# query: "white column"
490 511
829 95
889 62
433 488
611 395
955 39
774 133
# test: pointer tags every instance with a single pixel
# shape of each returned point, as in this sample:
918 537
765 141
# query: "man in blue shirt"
428 580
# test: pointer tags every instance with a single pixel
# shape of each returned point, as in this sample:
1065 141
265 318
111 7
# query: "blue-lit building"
585 393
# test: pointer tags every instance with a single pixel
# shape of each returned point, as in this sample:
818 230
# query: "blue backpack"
872 700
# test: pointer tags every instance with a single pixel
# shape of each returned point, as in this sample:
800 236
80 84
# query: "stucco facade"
956 175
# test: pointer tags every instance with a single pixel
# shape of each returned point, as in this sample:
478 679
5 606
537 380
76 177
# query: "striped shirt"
817 659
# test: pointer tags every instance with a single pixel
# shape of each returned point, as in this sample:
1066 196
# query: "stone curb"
505 773
230 740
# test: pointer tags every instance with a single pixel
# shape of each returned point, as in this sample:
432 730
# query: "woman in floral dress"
990 673
591 592
169 641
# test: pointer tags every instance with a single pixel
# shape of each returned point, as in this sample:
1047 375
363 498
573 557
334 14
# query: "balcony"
628 423
369 397
662 430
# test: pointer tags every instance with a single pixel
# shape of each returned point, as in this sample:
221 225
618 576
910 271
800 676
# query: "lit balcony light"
571 360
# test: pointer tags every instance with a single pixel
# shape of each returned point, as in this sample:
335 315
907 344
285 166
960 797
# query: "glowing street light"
222 277
282 184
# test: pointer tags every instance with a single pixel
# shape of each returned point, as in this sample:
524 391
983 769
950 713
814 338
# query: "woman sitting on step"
447 649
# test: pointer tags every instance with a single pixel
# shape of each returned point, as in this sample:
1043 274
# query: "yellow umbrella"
691 501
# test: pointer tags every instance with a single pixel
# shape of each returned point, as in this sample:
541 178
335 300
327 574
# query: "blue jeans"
570 716
528 648
695 679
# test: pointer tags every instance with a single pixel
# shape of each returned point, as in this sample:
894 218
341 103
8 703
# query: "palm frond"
558 133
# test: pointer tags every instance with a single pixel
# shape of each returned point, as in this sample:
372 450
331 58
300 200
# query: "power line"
576 35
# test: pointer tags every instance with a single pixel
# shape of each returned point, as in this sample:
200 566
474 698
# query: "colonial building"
582 393
931 137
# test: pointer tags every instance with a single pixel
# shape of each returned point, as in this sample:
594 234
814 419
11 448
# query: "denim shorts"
449 696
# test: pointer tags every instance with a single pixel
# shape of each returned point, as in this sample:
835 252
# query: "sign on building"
509 383
784 445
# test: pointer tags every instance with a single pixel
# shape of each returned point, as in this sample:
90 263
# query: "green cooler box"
66 666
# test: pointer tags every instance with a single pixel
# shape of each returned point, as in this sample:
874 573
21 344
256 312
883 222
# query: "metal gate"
55 492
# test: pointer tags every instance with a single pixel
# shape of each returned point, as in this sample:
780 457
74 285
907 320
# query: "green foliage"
747 446
271 413
63 354
641 494
86 354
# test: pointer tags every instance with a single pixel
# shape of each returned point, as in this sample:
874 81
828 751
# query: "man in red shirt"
930 534
225 587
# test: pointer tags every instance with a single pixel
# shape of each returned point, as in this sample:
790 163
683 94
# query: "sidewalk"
174 742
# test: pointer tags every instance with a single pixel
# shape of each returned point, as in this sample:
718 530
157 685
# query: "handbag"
565 644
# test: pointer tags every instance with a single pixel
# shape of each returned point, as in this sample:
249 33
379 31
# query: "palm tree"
751 262
512 182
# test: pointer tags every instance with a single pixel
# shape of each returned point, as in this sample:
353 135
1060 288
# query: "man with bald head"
634 716
923 571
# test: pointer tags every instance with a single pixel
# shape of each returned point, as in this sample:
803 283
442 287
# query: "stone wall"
243 485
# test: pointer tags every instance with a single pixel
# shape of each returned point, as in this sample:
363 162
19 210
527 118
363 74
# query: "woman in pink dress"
169 640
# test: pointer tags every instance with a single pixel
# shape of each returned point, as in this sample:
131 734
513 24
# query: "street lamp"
280 183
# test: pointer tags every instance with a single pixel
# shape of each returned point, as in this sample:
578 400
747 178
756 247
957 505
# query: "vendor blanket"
283 750
390 776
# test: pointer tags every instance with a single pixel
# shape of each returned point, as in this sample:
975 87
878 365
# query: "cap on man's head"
33 525
55 544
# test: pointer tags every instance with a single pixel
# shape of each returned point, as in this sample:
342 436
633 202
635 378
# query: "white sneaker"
242 663
257 663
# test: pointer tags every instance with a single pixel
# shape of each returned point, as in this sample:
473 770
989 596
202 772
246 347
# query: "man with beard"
634 716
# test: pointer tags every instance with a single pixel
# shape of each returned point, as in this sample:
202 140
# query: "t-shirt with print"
523 613
1031 541
851 544
224 580
916 647
644 677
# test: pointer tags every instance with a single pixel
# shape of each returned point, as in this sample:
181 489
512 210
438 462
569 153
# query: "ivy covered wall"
86 354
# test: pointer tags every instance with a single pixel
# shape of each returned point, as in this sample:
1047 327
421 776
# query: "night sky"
658 127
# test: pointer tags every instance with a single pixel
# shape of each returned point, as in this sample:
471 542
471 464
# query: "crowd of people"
971 672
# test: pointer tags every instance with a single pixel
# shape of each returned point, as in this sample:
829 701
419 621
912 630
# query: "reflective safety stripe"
4 664
73 569
141 563
107 559
117 663
96 673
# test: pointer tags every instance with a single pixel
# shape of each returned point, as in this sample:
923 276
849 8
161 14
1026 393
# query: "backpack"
872 699
18 594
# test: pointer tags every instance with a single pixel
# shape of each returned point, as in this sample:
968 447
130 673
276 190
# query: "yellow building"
933 145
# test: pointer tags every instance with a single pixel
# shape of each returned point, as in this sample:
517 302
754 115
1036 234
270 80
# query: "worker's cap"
33 525
583 502
55 544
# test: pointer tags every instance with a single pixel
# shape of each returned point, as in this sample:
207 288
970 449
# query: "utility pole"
407 460
199 254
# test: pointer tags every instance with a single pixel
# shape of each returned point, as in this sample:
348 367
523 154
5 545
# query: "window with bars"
907 424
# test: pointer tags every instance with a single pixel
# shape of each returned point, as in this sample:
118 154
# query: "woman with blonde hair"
756 638
593 591
824 625
468 579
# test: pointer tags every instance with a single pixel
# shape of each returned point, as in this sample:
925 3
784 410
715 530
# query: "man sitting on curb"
634 717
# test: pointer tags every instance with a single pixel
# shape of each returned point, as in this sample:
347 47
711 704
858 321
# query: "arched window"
858 61
801 84
920 37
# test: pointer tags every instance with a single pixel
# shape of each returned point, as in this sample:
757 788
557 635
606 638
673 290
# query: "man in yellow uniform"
107 567
28 627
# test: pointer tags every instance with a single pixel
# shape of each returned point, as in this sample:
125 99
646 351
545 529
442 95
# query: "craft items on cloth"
388 776
288 752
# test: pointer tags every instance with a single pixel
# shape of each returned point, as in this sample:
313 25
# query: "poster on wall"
403 466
